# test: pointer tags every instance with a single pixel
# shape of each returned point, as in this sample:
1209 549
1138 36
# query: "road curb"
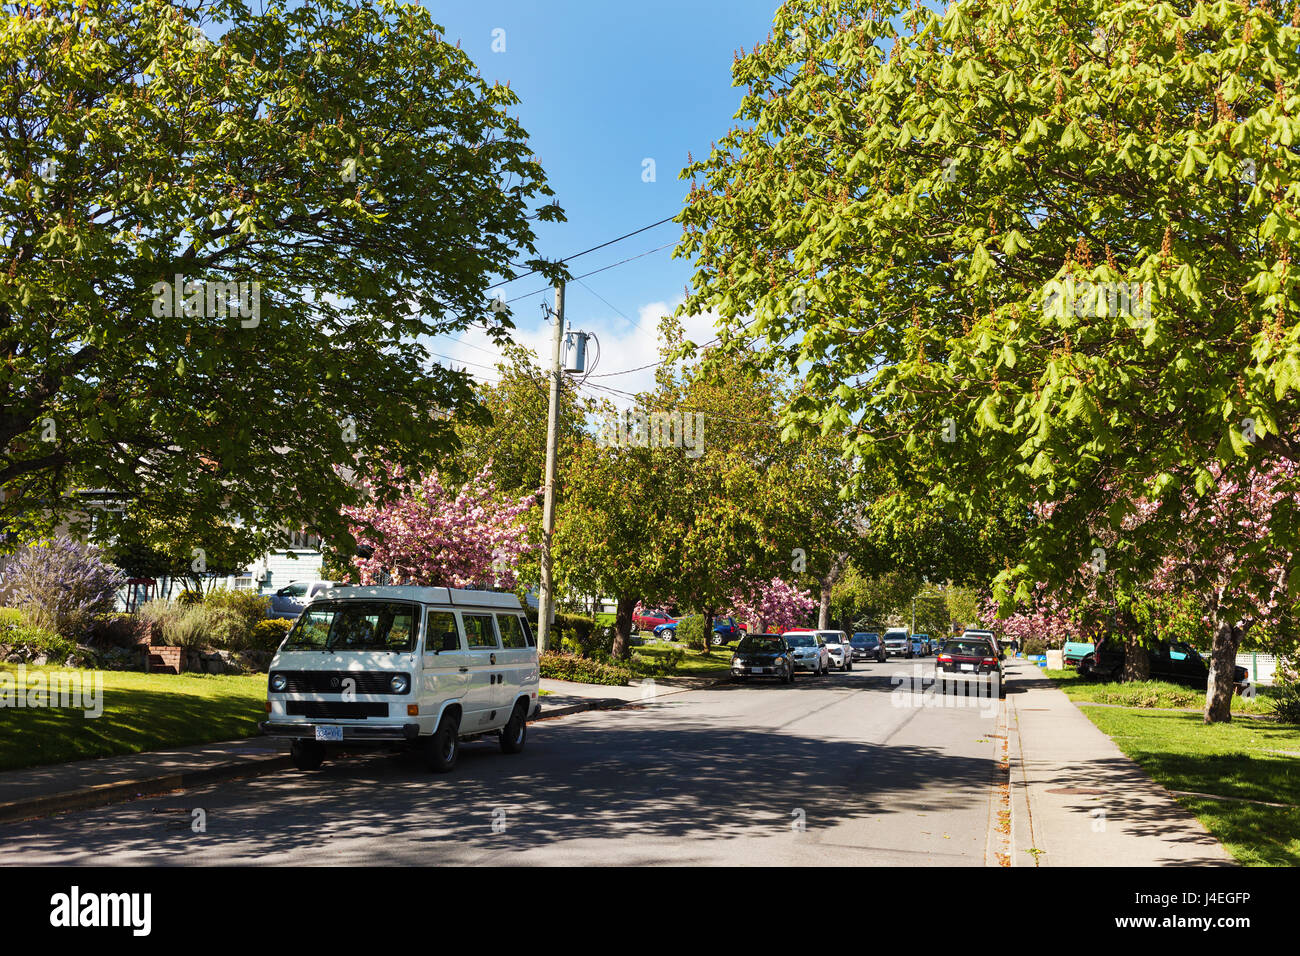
121 791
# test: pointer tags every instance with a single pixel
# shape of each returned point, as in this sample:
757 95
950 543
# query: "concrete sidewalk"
1077 800
38 791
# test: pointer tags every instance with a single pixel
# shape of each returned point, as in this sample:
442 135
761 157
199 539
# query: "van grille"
335 709
331 682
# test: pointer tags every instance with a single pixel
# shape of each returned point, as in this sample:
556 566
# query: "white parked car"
289 601
809 649
417 667
839 649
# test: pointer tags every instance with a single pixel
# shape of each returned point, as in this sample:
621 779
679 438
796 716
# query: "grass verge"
1151 693
1246 760
140 712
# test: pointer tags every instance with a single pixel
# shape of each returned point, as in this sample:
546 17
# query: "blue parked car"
725 631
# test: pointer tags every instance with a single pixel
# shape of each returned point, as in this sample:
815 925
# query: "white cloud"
623 346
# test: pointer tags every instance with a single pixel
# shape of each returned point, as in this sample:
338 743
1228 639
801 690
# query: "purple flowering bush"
63 586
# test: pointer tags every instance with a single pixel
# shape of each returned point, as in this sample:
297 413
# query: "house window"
245 582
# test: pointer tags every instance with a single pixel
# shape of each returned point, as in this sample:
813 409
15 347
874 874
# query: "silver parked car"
289 601
897 642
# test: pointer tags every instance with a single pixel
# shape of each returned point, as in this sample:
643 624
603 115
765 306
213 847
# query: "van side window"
512 630
479 632
441 632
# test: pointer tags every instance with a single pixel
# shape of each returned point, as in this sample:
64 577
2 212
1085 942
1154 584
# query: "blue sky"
604 86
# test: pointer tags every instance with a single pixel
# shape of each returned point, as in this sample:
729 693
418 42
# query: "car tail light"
989 660
944 659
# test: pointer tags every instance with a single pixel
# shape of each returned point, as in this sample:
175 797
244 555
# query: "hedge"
583 670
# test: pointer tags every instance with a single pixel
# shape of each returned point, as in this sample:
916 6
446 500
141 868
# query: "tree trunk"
708 631
1137 665
623 627
832 576
824 609
1223 658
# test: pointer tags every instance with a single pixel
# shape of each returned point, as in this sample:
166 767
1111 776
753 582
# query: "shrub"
583 670
1031 646
690 631
269 633
579 630
119 630
31 643
1286 703
63 585
189 598
179 626
665 666
11 615
153 615
233 616
192 628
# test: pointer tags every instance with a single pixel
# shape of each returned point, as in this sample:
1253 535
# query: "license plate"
968 667
330 733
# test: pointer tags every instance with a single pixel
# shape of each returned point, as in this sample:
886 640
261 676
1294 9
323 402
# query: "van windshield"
354 626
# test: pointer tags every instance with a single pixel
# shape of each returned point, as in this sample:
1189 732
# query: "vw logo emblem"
334 682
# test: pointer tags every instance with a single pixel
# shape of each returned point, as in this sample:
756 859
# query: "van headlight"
400 684
279 682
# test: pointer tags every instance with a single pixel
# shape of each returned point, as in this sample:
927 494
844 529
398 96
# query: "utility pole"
545 597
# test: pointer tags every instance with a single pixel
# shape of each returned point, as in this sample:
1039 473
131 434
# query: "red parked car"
650 620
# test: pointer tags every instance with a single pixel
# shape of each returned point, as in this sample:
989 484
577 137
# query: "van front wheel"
306 754
515 733
443 748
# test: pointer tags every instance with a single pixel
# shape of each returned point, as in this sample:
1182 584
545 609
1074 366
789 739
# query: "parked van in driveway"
418 667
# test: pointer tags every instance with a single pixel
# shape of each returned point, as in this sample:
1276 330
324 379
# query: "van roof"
459 597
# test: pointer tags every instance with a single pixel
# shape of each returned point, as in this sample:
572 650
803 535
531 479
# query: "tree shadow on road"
629 773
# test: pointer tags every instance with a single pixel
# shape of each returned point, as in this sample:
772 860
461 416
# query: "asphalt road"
842 769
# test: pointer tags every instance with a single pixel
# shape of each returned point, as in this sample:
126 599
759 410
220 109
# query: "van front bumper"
351 732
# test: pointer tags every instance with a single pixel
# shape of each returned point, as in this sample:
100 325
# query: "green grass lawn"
141 712
696 663
1151 693
1250 759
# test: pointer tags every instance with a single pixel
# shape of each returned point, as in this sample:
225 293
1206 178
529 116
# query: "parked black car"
969 659
1171 661
867 645
763 655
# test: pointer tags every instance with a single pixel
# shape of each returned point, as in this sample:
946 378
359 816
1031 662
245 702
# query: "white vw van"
403 666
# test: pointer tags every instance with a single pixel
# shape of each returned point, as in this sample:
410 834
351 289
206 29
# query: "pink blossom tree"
431 534
777 603
1235 552
1045 617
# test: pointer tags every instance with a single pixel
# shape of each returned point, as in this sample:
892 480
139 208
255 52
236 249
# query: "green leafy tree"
178 546
610 533
223 234
1047 251
513 438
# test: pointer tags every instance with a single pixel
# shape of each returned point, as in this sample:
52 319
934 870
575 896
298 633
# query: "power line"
611 305
641 368
635 232
686 408
595 271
